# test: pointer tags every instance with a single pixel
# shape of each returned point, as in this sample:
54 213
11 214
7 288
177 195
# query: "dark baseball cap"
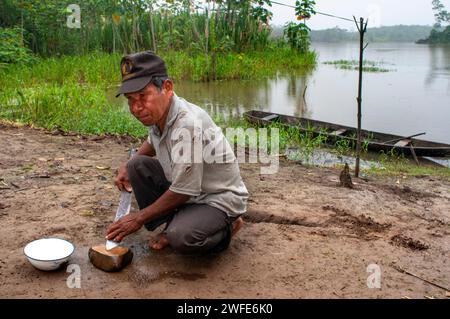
138 69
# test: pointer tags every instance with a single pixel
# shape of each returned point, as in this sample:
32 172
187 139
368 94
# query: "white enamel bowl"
48 253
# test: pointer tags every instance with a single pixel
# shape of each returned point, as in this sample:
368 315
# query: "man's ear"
168 85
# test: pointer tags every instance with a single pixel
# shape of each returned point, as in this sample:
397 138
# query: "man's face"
149 105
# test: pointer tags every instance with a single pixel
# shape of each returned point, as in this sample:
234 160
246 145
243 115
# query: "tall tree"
298 33
440 13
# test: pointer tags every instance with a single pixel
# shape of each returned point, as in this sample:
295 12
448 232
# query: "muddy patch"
408 242
361 225
407 193
256 217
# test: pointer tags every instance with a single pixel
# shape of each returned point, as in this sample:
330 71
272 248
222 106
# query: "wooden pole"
403 138
413 152
362 27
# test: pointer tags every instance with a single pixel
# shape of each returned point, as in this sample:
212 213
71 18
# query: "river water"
413 97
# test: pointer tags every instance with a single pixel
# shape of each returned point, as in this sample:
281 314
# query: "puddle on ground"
324 158
139 248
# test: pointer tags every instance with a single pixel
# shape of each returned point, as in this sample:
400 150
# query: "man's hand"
123 227
122 182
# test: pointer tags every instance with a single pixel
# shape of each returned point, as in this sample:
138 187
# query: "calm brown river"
413 98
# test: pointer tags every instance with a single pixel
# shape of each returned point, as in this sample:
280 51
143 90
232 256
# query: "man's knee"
185 241
140 163
191 241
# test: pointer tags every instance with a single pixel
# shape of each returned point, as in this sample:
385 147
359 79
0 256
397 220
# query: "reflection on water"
414 98
439 65
282 94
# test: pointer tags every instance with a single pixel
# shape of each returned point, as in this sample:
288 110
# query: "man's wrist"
140 219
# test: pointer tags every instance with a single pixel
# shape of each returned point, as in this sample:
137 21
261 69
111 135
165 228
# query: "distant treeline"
437 37
399 33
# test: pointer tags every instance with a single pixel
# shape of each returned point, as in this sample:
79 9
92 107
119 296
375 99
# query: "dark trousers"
191 228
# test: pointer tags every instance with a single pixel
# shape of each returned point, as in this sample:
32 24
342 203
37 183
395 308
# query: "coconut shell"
110 260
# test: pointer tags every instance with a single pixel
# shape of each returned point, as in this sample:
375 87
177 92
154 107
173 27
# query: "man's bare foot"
160 243
237 224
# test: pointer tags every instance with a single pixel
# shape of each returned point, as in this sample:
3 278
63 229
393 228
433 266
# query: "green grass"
291 137
69 92
392 164
395 166
74 108
101 69
368 66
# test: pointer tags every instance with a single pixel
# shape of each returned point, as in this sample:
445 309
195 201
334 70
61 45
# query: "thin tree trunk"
139 33
214 53
195 32
21 23
114 38
207 43
126 42
152 29
119 38
133 26
214 64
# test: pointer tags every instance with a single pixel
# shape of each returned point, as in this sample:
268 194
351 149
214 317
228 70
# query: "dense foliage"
132 25
297 34
437 37
12 49
439 34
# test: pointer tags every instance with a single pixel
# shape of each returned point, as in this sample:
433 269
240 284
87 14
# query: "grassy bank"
401 167
102 69
69 92
306 143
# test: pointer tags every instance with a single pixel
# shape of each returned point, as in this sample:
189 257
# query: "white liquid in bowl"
47 249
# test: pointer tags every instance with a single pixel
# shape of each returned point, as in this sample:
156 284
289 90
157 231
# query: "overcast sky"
380 12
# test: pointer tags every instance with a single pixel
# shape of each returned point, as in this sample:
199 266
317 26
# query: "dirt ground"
304 236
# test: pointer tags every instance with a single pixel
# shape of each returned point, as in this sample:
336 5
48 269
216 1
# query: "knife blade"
122 210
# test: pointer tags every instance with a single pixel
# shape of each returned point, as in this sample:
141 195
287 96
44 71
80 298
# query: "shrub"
12 49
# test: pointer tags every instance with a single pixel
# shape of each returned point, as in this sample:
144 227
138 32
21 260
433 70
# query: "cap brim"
133 85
